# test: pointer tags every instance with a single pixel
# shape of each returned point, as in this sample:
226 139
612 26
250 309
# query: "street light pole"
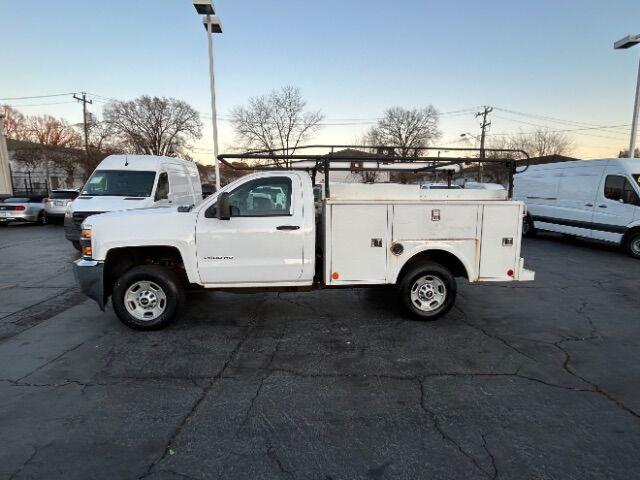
214 116
212 25
634 124
628 42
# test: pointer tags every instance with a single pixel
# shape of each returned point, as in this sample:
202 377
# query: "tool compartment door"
358 244
499 248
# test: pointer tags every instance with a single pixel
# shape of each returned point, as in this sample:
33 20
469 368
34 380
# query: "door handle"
288 227
588 204
602 206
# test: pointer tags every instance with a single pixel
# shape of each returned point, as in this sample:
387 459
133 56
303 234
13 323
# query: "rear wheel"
428 291
147 297
43 219
632 245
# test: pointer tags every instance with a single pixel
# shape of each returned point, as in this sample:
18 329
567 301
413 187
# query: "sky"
546 62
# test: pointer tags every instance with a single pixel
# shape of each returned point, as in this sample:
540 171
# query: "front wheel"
43 219
632 245
147 297
428 291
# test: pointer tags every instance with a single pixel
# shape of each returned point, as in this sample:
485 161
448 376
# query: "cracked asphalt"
530 381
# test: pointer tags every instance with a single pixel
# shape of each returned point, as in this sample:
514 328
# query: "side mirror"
223 209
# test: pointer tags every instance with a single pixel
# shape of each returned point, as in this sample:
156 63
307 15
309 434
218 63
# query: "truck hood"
109 204
158 226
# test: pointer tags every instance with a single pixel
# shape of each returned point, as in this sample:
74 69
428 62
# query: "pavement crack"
69 350
494 465
205 391
24 465
466 321
595 388
445 436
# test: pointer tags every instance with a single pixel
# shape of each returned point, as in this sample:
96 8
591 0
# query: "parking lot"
536 380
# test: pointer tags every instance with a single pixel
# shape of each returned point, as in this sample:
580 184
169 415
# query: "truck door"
616 206
263 240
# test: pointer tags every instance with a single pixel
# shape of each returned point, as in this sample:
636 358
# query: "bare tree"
15 123
153 125
539 143
47 130
404 132
279 120
407 129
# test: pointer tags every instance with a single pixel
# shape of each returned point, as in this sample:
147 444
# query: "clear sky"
351 58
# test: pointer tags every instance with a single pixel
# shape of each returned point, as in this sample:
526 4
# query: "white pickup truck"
265 231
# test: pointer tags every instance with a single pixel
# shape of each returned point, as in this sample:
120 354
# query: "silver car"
23 209
55 205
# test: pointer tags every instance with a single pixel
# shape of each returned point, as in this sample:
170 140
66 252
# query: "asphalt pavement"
525 381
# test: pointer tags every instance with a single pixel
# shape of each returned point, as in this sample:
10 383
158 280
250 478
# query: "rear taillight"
19 208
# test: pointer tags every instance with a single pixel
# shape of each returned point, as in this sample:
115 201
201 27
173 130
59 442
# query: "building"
36 169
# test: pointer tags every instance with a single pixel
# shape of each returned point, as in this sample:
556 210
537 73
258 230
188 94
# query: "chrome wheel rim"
145 301
635 246
428 293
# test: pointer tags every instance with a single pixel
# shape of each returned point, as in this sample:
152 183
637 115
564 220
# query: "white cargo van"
597 199
127 182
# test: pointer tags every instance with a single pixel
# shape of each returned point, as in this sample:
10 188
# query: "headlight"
85 241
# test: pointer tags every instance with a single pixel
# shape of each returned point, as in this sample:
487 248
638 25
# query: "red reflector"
20 208
510 272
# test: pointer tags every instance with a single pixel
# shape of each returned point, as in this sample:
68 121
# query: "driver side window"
264 197
619 189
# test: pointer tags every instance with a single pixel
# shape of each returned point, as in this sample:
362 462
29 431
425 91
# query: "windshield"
16 200
120 183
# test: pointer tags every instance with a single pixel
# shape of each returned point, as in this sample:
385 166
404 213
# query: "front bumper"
71 230
89 275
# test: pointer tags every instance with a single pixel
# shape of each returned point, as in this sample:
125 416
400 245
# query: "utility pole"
84 101
484 125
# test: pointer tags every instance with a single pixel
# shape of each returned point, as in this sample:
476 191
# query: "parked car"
597 199
23 209
259 232
126 182
55 205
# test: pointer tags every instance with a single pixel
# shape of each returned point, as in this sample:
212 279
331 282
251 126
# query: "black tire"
632 245
434 270
528 230
43 219
76 245
161 277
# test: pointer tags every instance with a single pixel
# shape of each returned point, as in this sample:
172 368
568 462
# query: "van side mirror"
223 209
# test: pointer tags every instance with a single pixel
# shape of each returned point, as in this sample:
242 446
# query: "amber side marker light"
335 275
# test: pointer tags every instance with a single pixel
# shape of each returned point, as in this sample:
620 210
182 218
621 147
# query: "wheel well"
121 260
444 258
628 233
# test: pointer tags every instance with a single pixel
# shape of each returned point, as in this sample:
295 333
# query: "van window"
120 183
162 191
619 189
265 197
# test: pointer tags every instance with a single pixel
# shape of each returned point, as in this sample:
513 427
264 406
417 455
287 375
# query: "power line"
577 131
37 96
38 104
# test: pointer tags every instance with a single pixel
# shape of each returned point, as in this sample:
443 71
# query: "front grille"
78 217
